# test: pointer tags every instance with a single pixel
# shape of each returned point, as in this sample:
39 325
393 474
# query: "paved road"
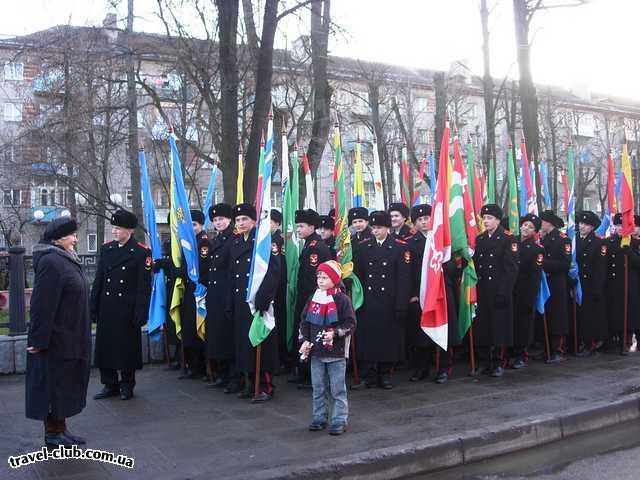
610 453
177 429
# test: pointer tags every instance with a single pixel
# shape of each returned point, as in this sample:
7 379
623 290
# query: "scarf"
322 309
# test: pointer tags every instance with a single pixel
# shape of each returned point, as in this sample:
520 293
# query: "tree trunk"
528 97
374 102
441 108
228 28
262 104
320 23
487 85
68 138
132 110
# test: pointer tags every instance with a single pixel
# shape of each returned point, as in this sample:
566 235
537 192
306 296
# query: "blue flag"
605 223
208 200
544 179
432 177
187 238
158 303
543 294
522 188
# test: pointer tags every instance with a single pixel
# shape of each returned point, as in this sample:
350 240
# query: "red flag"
433 297
565 191
470 224
626 197
404 180
420 185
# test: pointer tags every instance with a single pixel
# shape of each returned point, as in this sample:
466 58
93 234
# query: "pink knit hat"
332 269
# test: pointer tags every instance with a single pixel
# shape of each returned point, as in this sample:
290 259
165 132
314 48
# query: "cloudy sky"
591 47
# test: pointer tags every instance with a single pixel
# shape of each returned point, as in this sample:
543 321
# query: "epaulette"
361 242
563 235
313 243
401 242
146 247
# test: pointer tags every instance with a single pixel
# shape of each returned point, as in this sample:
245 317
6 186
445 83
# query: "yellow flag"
239 185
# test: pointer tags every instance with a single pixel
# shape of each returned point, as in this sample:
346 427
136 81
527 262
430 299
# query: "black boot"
126 392
106 392
54 440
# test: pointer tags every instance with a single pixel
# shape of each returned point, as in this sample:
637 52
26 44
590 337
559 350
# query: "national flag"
565 190
181 219
377 179
240 181
514 214
397 194
405 193
291 191
420 187
531 205
344 252
543 294
432 177
491 181
571 222
158 303
210 196
611 207
310 197
263 322
544 180
463 228
358 180
626 197
433 297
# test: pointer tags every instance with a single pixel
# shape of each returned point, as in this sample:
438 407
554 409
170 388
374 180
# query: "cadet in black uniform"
327 224
280 303
313 253
591 255
384 266
241 251
527 288
496 261
556 265
399 214
193 344
420 346
120 305
219 325
359 223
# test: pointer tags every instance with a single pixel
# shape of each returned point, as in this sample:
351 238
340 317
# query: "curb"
425 456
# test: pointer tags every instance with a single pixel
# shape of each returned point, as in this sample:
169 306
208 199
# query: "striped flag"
571 221
491 181
626 197
377 179
420 187
158 303
611 208
405 193
544 179
310 198
531 205
514 216
341 230
358 180
433 297
263 322
240 181
211 194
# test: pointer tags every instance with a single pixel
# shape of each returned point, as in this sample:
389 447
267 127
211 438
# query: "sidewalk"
179 429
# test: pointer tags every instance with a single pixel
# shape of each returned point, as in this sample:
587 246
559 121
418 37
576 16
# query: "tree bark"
440 87
374 102
488 87
320 23
228 28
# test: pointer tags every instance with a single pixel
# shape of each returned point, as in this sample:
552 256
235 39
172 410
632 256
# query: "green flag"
291 191
514 215
491 182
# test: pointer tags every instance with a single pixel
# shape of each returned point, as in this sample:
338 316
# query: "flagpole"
626 305
166 345
354 361
546 335
472 355
256 387
575 323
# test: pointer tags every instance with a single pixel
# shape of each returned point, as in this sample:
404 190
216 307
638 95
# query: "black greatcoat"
496 260
591 255
556 265
404 233
615 286
190 337
57 377
526 291
240 266
385 272
280 302
166 264
219 325
313 253
331 245
634 287
359 237
414 334
120 304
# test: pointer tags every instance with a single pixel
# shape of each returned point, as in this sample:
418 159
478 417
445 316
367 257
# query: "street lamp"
65 213
38 215
116 198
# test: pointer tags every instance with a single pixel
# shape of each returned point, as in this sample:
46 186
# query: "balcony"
44 215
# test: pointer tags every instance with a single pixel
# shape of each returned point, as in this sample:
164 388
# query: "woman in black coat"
59 341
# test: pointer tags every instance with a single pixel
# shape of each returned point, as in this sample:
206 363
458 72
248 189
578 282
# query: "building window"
129 199
25 197
12 112
9 155
44 197
92 242
13 71
423 136
421 104
11 197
